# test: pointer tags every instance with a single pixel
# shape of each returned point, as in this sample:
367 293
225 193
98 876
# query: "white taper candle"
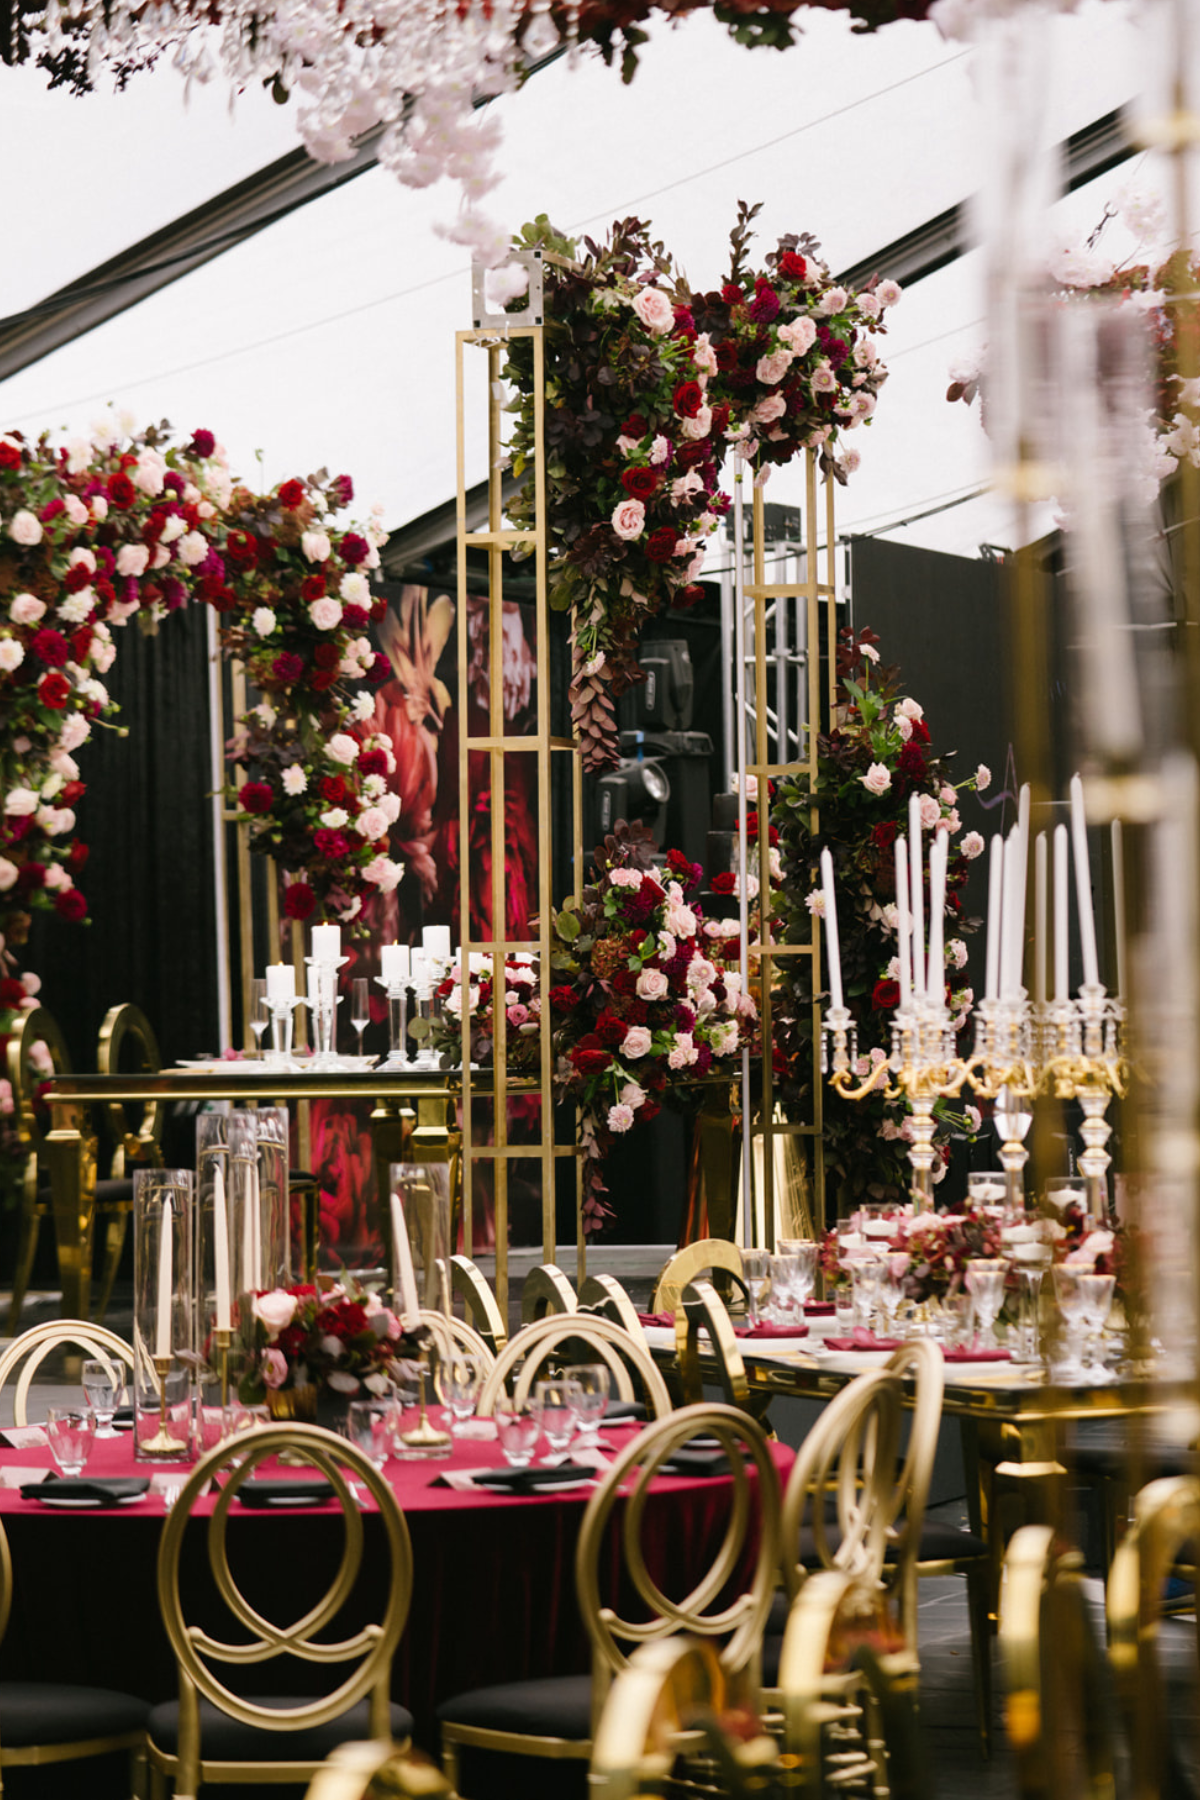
991 984
166 1282
903 927
916 881
1083 885
1039 917
221 1250
1062 913
833 954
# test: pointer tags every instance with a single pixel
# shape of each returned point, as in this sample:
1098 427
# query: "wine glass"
360 1007
259 1016
1097 1294
459 1379
865 1272
756 1272
554 1402
69 1435
783 1289
804 1252
985 1283
893 1269
592 1382
369 1425
1072 1304
103 1383
518 1429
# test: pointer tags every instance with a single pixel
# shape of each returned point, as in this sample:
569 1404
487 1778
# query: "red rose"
242 548
884 835
380 670
222 599
203 444
330 844
885 994
288 666
660 545
320 679
81 642
910 761
372 762
639 484
298 900
54 690
30 875
10 456
291 495
326 656
77 855
70 904
724 883
256 797
77 576
73 792
312 588
920 732
731 294
765 305
688 596
634 427
354 549
688 399
105 591
121 490
793 266
11 993
727 355
51 648
341 489
689 455
610 1030
355 618
333 790
563 999
590 1062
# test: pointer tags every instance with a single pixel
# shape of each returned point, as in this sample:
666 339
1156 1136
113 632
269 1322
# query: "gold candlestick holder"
425 1439
1087 1063
222 1338
162 1443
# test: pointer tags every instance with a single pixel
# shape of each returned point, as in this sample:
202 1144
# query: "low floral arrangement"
649 386
928 1251
875 757
522 1014
648 993
342 1338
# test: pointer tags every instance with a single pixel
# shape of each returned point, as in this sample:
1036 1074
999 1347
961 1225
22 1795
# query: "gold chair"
674 1701
604 1294
450 1333
133 1140
47 1722
30 1350
213 1734
377 1771
1058 1705
36 1203
469 1285
728 1603
546 1290
702 1309
576 1337
704 1256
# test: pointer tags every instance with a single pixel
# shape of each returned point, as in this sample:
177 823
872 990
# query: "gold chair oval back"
546 1290
649 1717
702 1309
175 1730
693 1260
603 1294
1166 1518
25 1069
600 1339
744 1565
377 1772
140 1142
469 1285
29 1351
450 1334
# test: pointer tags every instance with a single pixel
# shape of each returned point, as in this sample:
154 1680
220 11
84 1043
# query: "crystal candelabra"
396 987
324 1000
281 1008
1084 1060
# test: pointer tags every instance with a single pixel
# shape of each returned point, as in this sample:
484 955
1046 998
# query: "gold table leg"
71 1159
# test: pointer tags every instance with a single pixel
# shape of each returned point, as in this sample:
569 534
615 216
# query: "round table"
493 1590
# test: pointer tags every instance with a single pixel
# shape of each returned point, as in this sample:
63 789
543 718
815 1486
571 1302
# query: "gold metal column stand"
492 336
816 586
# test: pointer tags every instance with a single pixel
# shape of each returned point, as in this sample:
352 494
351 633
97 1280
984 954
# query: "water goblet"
893 1268
459 1379
69 1434
593 1384
554 1403
958 1319
783 1289
360 1007
805 1252
259 1012
864 1276
1097 1294
1072 1304
756 1272
369 1426
985 1277
104 1384
518 1429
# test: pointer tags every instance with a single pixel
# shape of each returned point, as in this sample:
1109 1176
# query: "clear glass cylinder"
418 1236
212 1168
247 1261
164 1321
273 1128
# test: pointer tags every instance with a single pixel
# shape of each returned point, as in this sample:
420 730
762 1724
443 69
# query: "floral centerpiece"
875 757
928 1251
522 1013
303 1339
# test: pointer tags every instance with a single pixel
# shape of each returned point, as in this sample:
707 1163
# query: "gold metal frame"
143 1145
702 1309
546 1290
816 593
604 1295
73 1221
34 1346
498 745
693 1260
647 1716
450 1333
372 1647
377 1771
468 1283
524 1355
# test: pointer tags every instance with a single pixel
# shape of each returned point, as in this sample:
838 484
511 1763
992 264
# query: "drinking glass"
369 1426
459 1380
985 1284
845 1309
864 1275
1027 1344
69 1434
259 1015
104 1384
1097 1294
518 1429
958 1315
893 1269
593 1385
783 1289
1067 1191
987 1191
1072 1304
360 1007
554 1402
805 1252
756 1271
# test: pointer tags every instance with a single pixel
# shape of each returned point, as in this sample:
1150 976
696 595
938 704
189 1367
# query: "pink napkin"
862 1340
963 1353
663 1318
819 1309
765 1330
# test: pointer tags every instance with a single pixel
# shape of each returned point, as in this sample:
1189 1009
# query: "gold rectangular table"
413 1108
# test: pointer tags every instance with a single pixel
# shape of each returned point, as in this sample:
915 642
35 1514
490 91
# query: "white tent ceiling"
329 337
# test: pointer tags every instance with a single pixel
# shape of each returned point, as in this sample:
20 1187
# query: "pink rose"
629 520
620 1118
274 1368
652 984
275 1310
930 811
773 368
326 613
637 1042
654 310
773 407
972 846
373 823
800 335
877 780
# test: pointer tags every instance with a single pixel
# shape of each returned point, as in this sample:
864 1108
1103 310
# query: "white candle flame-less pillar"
1118 871
1039 918
327 943
166 1283
404 1278
221 1251
281 981
903 927
916 876
832 948
1061 913
1083 886
393 963
991 986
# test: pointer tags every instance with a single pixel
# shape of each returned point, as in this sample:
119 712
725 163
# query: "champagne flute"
985 1276
360 1007
259 1016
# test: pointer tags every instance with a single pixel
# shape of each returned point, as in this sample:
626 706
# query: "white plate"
217 1065
73 1501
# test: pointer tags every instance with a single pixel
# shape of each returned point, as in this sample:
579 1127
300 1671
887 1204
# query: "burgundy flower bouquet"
343 1339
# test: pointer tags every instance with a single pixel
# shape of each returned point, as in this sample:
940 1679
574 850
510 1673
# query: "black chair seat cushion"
223 1739
559 1706
39 1712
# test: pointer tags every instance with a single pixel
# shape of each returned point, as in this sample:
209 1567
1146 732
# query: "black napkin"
123 1419
306 1491
528 1481
108 1490
694 1460
617 1410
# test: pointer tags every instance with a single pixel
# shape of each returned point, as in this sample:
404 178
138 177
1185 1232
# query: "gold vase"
298 1403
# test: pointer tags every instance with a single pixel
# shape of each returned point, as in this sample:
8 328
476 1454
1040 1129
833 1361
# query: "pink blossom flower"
620 1117
909 709
274 1368
26 609
625 878
773 407
629 520
888 293
773 368
275 1311
683 1052
652 984
877 780
983 777
632 1095
636 1042
815 903
373 823
326 613
800 335
654 310
904 727
931 812
972 846
25 527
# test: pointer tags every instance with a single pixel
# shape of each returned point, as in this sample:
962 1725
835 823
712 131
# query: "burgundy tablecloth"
493 1592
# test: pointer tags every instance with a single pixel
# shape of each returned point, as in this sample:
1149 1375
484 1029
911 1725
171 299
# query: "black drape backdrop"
149 877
